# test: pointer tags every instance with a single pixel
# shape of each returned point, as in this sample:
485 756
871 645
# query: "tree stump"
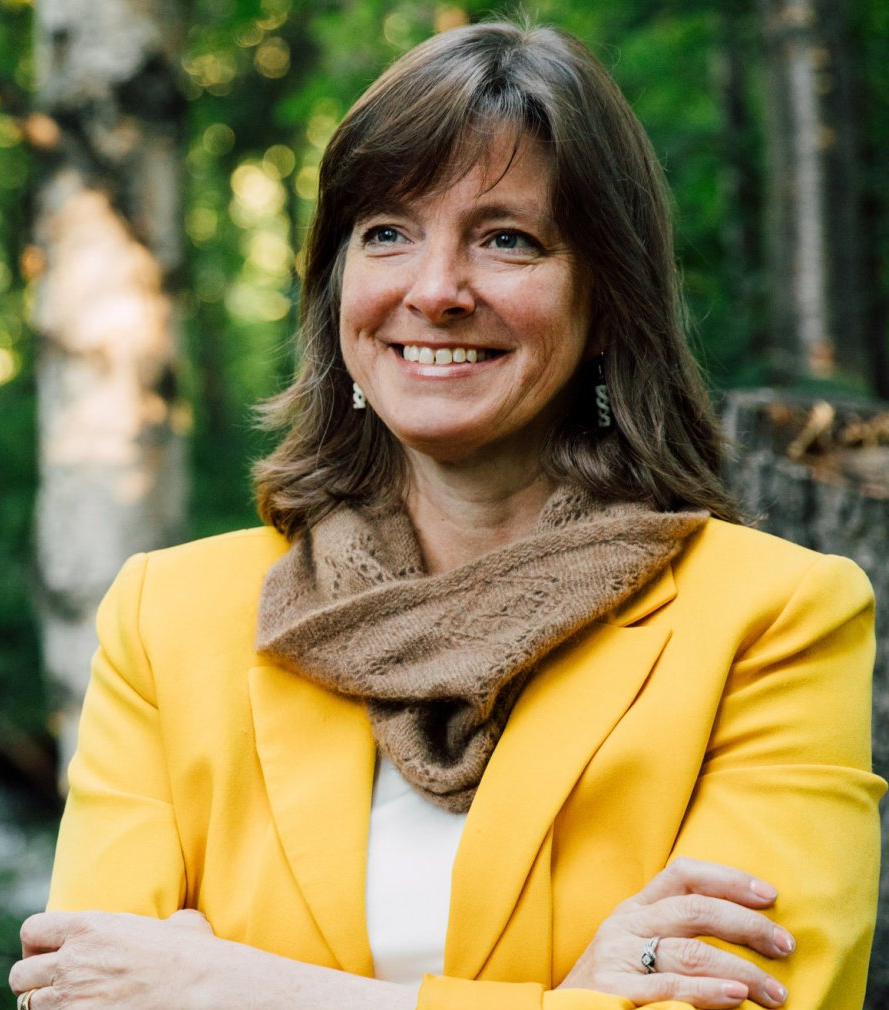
818 474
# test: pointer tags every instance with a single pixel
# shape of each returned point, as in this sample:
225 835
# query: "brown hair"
426 120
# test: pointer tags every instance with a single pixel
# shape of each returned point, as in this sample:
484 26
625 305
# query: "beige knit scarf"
439 660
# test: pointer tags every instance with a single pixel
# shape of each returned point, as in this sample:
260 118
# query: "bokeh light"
249 35
201 224
273 57
9 365
256 194
279 161
307 182
219 138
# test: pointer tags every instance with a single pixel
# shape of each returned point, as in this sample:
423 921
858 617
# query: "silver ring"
23 1001
649 956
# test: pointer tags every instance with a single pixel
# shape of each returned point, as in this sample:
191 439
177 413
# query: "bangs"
420 130
436 165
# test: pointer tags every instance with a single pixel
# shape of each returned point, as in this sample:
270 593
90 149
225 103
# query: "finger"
704 993
696 876
47 931
44 999
191 918
695 958
33 972
696 915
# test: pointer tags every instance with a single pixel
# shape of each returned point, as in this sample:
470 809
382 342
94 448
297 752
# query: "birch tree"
111 461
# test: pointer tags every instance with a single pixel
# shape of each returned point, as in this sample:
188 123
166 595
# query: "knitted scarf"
439 660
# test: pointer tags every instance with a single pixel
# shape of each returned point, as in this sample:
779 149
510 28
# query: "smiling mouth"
425 355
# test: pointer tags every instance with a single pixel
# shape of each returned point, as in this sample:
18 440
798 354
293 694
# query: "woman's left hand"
689 899
99 960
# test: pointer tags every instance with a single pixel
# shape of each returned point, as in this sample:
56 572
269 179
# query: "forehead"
490 164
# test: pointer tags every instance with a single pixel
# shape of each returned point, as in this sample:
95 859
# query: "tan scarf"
439 660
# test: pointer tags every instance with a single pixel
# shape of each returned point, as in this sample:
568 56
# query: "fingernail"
734 990
784 941
776 990
763 890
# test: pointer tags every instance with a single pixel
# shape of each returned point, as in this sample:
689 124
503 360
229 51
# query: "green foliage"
20 683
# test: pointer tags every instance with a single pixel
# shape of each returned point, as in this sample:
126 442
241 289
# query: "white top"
410 855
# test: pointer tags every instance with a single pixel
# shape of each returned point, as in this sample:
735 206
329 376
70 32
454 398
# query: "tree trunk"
842 100
814 214
111 458
739 176
870 41
838 503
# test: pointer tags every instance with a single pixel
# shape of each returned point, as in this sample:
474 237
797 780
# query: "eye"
381 234
511 239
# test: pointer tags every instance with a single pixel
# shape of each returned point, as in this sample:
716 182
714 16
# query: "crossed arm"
110 961
93 960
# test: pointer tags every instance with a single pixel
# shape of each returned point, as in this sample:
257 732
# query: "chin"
445 449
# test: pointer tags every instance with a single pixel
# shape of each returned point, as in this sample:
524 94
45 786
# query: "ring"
23 1002
648 959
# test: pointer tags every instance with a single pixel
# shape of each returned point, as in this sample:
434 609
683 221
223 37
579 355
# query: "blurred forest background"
158 167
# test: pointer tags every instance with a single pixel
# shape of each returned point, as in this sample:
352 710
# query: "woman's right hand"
689 898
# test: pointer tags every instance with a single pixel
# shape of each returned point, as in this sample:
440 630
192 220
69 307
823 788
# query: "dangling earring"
359 400
604 414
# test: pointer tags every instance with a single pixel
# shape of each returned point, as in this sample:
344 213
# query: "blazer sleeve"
119 816
785 791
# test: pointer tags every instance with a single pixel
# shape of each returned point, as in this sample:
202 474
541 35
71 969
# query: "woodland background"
158 167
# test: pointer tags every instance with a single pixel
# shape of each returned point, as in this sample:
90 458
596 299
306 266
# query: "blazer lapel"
317 755
559 722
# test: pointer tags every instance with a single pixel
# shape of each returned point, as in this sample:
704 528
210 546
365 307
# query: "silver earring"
359 400
604 415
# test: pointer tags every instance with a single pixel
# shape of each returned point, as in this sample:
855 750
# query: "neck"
461 512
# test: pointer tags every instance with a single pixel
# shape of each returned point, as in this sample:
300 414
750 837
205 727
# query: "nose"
440 288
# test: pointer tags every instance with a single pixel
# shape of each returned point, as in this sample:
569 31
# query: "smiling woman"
501 709
479 270
479 128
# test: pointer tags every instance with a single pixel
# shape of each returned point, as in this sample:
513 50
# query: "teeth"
442 355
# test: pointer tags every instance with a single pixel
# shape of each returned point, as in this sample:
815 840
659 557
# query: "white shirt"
410 855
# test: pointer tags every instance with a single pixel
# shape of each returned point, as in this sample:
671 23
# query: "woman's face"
464 313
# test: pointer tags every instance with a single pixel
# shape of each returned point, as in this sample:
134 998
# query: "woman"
490 709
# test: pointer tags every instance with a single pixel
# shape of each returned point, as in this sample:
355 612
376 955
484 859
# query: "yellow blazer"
723 713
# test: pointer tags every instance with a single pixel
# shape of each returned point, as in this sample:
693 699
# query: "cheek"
368 298
558 322
349 301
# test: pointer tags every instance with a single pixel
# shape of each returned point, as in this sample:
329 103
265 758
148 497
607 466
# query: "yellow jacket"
723 713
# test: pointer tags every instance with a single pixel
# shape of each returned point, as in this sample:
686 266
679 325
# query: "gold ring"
24 999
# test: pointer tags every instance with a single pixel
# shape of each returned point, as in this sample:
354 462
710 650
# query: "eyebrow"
489 211
478 214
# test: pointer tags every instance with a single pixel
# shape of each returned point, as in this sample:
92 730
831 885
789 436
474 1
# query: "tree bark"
740 179
870 42
842 99
814 206
111 460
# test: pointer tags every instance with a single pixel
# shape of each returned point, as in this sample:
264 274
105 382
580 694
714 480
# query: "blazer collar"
558 724
317 755
660 591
